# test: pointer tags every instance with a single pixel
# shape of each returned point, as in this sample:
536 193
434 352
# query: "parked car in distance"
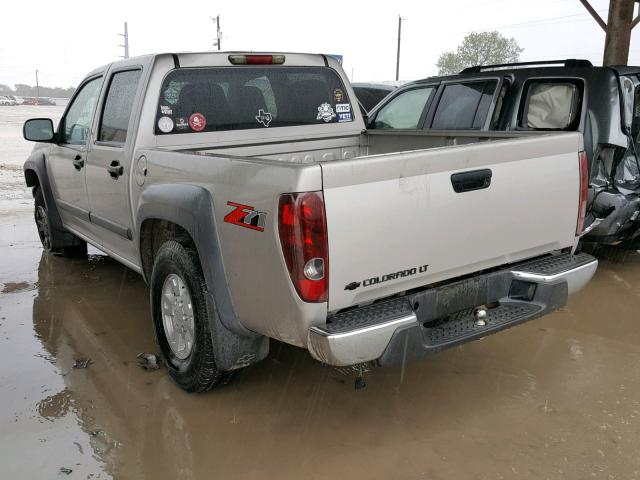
46 101
370 94
7 100
30 101
603 103
246 191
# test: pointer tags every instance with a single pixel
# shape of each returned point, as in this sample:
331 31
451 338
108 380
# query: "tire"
53 240
180 313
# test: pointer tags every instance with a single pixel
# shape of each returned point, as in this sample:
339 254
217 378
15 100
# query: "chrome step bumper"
395 330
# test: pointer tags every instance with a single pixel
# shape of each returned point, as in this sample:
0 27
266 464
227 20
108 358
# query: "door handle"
115 169
473 180
78 162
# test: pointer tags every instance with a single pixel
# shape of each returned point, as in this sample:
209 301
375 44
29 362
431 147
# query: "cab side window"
404 110
464 105
76 124
551 105
117 107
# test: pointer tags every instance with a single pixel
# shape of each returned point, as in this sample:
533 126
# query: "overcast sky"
66 39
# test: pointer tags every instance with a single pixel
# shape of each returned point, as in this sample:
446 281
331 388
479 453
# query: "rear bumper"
420 323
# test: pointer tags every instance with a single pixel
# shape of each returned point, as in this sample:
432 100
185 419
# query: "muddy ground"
556 398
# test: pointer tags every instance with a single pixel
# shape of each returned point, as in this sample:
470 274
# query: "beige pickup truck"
247 192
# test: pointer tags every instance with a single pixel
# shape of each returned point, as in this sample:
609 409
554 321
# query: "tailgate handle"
469 181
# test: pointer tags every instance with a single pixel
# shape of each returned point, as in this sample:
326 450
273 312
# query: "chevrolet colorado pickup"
247 192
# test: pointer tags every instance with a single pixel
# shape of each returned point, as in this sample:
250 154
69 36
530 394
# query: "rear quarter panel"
262 294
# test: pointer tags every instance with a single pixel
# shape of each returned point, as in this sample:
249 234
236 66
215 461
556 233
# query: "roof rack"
570 62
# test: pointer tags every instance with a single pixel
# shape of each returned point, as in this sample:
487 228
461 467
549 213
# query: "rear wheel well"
153 233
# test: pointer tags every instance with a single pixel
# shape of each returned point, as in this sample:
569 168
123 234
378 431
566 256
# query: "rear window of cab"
212 99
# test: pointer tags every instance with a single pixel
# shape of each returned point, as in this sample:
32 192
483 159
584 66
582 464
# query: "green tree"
479 48
24 90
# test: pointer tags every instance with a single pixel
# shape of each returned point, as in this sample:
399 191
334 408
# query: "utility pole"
37 89
218 39
398 55
126 41
618 28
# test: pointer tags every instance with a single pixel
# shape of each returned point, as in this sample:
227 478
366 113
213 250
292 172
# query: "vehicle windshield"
234 98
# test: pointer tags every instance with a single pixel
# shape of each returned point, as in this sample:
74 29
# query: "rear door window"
117 108
212 99
551 105
404 110
464 105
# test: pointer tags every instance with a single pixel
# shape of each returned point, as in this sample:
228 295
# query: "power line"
540 20
511 5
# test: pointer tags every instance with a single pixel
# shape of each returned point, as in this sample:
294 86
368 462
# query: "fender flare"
36 175
191 207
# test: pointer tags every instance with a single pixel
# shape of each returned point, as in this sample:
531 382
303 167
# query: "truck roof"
198 59
581 68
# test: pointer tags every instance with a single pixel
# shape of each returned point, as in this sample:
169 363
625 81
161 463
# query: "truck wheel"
54 241
181 319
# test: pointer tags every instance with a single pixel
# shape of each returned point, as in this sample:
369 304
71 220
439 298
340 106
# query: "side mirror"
38 130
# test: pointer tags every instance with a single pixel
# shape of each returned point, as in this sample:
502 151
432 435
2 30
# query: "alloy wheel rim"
177 316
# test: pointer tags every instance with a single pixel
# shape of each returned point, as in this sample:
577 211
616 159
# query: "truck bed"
373 142
390 191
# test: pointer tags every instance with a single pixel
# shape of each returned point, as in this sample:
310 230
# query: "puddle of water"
554 398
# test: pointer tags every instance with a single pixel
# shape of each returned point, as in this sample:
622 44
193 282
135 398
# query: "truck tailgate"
396 222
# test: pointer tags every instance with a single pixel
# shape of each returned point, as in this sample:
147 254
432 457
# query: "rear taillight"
256 59
303 235
584 191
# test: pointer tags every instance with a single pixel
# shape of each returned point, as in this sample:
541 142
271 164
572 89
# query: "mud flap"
233 351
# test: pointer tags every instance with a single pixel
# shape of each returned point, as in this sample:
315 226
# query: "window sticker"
182 123
264 117
345 117
166 110
343 108
197 122
171 95
165 124
338 96
325 112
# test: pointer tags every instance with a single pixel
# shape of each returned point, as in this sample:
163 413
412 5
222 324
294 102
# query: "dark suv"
603 103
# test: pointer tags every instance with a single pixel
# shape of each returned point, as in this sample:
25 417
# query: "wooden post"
619 24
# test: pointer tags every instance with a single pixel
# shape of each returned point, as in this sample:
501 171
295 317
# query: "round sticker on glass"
197 122
165 124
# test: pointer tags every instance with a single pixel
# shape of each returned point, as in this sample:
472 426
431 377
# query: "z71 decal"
246 216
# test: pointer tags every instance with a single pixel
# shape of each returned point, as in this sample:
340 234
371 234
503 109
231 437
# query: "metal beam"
594 14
